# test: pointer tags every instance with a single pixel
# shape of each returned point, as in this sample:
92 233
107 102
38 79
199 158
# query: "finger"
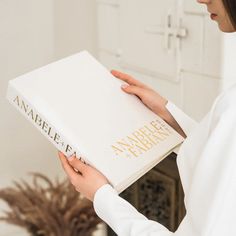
134 90
77 164
66 166
71 173
127 78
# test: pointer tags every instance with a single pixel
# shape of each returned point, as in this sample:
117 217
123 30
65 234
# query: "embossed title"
142 140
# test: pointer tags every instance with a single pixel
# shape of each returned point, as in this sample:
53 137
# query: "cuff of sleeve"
100 197
184 121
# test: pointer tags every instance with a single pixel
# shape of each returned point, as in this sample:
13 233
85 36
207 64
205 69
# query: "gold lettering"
153 134
133 152
147 134
153 123
163 133
116 149
160 131
123 144
136 143
142 139
163 126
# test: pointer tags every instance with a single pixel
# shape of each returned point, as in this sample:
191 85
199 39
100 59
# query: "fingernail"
124 86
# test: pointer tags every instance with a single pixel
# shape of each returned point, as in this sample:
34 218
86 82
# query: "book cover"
78 105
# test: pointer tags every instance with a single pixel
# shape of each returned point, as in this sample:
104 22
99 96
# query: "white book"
80 108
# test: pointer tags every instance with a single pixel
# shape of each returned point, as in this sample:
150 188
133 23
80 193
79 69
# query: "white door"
151 28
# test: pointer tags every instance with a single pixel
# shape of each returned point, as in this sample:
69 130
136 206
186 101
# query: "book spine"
55 136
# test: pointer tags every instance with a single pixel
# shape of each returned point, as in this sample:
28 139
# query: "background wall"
75 26
34 33
27 42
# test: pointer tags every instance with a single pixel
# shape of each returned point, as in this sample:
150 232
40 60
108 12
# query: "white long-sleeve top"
207 167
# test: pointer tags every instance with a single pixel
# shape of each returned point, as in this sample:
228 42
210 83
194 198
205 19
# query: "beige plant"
45 208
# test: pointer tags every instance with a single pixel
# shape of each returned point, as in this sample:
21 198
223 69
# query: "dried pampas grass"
45 208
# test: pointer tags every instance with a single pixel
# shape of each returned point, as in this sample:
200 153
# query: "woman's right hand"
149 97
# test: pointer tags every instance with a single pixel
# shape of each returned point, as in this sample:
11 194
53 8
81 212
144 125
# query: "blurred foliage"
45 208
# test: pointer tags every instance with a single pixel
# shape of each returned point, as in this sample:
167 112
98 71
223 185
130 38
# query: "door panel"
150 30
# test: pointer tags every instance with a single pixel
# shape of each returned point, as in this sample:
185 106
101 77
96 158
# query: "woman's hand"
86 179
149 97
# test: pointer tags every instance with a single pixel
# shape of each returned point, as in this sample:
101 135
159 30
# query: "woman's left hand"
87 180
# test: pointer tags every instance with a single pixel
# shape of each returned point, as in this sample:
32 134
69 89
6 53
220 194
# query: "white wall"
34 33
75 22
26 42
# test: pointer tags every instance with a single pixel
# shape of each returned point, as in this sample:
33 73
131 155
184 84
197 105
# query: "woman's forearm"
167 117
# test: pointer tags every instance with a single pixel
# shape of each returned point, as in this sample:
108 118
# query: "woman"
206 160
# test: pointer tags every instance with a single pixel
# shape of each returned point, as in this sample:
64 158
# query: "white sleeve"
185 122
217 176
122 217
